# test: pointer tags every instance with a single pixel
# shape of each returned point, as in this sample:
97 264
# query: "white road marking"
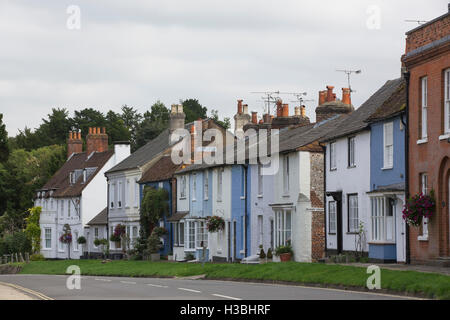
190 290
106 280
156 285
128 282
226 297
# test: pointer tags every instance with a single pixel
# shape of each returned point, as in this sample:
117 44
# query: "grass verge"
429 285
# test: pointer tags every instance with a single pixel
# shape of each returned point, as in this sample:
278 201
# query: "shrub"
37 257
15 243
269 254
81 240
160 231
189 256
154 243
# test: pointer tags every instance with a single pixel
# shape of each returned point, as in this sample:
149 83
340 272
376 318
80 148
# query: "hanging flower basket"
66 238
119 231
418 207
215 223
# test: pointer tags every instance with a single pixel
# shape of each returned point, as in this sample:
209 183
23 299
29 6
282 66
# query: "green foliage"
194 110
100 242
154 206
283 249
15 243
33 230
152 125
189 256
4 147
226 122
269 254
81 240
154 243
37 257
262 254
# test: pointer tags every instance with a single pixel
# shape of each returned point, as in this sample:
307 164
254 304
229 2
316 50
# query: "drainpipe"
245 209
324 148
407 75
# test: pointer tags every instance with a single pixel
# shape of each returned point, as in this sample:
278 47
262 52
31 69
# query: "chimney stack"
285 110
96 140
177 118
255 117
346 96
330 95
297 111
322 97
74 143
241 118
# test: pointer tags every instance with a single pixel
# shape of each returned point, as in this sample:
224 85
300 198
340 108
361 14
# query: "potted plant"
215 223
81 241
418 207
262 254
269 254
154 245
284 252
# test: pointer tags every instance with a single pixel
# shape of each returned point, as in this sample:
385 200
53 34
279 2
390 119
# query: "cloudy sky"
136 52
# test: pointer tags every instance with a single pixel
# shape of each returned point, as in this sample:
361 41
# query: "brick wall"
428 33
317 236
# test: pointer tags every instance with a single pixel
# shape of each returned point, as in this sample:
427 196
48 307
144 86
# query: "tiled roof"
356 121
101 218
163 169
79 161
393 105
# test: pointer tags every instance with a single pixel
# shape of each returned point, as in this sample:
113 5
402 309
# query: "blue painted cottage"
387 179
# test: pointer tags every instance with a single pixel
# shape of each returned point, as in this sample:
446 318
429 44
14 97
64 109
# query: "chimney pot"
245 108
174 108
239 110
180 108
255 117
322 97
346 96
303 111
285 110
279 108
330 94
297 111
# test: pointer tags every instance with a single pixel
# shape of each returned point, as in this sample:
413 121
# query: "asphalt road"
111 288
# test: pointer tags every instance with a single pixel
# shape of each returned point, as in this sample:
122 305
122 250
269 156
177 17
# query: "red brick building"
427 58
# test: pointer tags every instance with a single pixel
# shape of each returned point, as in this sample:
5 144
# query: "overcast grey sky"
136 52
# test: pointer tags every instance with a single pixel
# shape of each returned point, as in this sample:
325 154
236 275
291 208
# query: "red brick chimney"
330 94
255 117
74 143
279 108
346 96
96 140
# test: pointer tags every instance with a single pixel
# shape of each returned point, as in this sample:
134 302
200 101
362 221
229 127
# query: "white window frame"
383 223
205 185
112 188
183 187
47 237
201 234
351 152
353 218
333 165
119 195
424 190
424 107
194 186
286 174
189 235
332 217
282 229
447 101
220 184
388 145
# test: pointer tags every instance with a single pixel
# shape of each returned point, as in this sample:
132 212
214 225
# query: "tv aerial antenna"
419 22
270 97
348 73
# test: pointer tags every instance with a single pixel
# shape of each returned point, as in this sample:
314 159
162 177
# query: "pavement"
8 292
122 288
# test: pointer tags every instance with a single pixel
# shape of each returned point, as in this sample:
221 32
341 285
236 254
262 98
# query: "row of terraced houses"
340 186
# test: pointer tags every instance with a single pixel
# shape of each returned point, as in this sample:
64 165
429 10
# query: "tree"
4 148
86 118
154 206
131 118
194 110
116 128
54 129
152 125
33 230
226 122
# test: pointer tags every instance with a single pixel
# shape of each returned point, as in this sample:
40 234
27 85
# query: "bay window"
382 216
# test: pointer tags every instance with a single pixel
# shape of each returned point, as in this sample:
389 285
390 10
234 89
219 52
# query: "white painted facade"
76 211
349 181
292 205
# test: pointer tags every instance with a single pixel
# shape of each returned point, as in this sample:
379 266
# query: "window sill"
242 198
332 233
333 169
381 242
444 136
422 141
219 200
354 232
387 168
351 167
422 238
182 198
285 195
260 195
206 199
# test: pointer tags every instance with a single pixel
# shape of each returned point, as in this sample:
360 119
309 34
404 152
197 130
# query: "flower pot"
155 257
284 257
